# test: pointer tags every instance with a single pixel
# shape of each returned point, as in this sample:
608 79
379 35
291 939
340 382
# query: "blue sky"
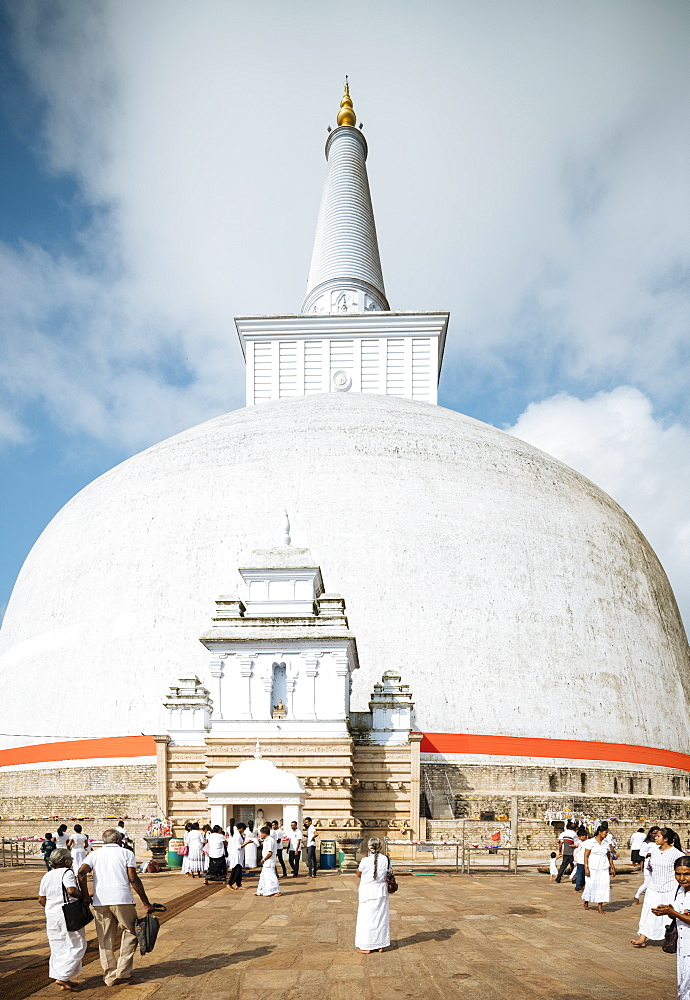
161 166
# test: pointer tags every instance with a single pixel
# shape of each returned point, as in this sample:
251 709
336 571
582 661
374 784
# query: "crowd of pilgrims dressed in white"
219 855
657 853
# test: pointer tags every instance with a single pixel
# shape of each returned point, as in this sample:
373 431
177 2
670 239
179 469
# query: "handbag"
77 912
390 879
670 942
146 929
184 851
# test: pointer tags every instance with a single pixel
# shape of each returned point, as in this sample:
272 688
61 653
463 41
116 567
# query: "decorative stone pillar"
217 668
162 773
291 683
415 785
342 700
246 664
311 665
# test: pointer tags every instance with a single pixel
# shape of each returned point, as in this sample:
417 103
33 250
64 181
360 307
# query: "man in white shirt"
114 872
277 834
636 842
311 847
566 848
295 838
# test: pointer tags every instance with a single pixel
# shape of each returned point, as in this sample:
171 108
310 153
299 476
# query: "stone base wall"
549 778
35 801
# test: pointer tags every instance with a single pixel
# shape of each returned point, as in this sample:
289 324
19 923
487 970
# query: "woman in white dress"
268 880
66 947
646 846
185 857
373 931
60 837
599 870
661 888
195 858
251 850
77 845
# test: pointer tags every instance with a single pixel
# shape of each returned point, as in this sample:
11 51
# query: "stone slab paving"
480 938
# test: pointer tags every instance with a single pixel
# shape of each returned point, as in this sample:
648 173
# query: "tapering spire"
345 274
346 115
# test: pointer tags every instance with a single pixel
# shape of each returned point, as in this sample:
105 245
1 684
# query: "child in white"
268 880
553 867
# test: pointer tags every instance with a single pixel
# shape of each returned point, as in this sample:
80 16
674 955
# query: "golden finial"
346 115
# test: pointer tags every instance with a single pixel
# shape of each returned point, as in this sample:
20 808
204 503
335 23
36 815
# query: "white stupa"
512 595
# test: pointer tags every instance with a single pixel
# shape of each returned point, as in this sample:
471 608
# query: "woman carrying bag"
67 948
373 932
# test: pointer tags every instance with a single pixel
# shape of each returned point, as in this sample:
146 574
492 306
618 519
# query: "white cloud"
529 171
615 440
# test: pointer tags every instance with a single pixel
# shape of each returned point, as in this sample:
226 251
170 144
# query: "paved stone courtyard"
488 937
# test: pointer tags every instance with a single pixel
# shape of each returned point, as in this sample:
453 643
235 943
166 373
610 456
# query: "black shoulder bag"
390 879
146 929
77 912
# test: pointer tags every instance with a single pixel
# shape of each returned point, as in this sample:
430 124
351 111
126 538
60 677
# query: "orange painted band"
525 746
497 746
110 746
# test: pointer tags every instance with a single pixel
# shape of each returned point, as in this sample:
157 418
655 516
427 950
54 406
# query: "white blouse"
51 886
663 876
371 887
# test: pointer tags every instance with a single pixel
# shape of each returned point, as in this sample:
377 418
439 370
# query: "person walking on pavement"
277 834
236 845
47 848
295 838
311 847
77 845
114 870
566 846
67 948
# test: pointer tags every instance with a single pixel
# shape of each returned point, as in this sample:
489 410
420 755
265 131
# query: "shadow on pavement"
442 935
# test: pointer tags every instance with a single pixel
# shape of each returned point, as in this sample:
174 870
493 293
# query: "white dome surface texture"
511 594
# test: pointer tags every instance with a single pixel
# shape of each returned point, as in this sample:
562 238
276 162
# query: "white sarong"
373 924
651 926
78 856
66 947
597 887
268 881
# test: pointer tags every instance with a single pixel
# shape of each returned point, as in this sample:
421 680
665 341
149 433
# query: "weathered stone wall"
537 835
37 800
520 778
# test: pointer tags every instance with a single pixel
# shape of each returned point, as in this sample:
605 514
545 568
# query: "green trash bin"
328 855
174 857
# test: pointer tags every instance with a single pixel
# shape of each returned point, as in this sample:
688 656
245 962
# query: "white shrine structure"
282 658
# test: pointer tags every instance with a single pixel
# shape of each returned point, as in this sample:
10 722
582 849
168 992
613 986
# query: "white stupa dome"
510 593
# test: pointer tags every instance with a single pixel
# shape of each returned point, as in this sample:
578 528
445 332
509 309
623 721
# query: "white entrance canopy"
256 782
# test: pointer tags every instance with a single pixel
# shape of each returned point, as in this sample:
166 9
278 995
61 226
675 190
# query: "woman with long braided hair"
373 931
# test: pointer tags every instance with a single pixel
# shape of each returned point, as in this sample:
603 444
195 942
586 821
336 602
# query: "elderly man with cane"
114 876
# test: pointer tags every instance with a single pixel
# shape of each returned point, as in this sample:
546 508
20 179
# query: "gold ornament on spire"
346 115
